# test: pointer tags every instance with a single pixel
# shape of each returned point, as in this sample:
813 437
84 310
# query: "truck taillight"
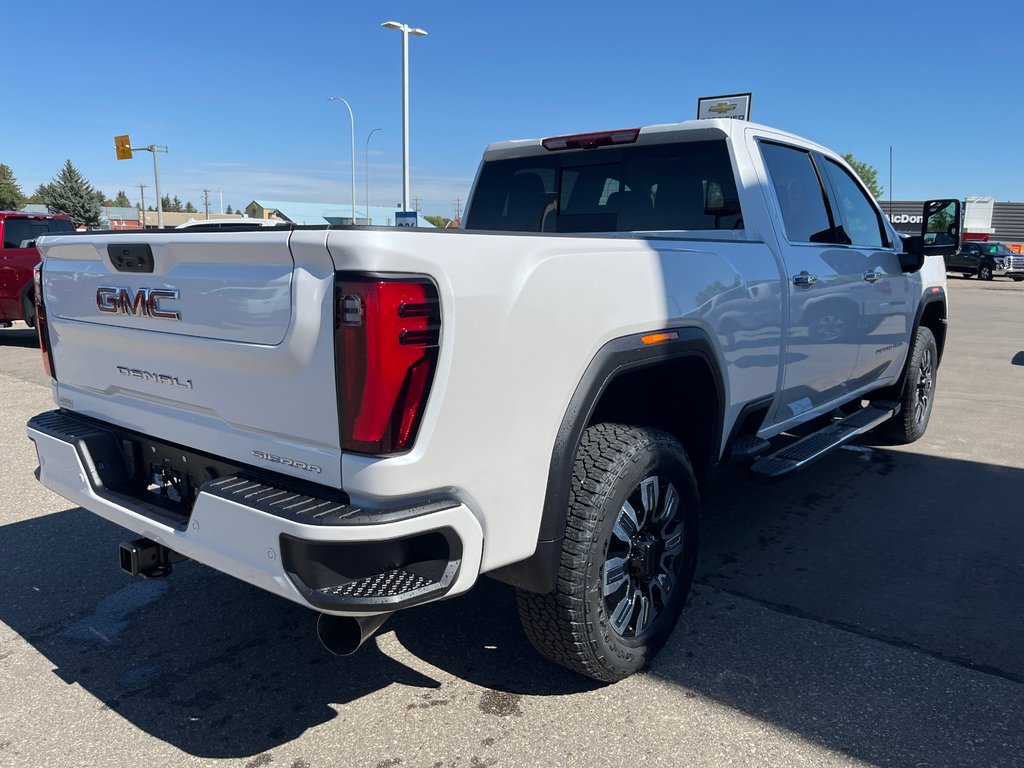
386 340
41 328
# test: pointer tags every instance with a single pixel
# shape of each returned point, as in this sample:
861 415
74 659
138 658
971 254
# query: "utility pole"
416 202
458 208
206 202
221 191
142 205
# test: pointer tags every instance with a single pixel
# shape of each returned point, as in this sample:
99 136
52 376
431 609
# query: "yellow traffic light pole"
123 147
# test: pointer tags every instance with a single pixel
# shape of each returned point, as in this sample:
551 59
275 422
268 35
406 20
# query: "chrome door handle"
872 275
805 279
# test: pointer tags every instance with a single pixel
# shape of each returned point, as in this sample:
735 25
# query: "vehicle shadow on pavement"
872 606
218 668
851 607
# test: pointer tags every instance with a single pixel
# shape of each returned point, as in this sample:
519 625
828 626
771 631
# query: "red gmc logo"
144 302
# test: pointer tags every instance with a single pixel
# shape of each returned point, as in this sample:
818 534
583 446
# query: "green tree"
71 193
165 202
867 174
39 196
438 221
228 210
122 201
189 208
11 196
176 205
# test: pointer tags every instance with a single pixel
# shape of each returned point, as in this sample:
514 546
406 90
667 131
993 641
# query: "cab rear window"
22 233
684 186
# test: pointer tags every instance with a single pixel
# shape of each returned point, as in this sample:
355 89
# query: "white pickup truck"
363 419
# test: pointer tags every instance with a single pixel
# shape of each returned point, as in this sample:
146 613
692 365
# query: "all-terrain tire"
918 391
595 621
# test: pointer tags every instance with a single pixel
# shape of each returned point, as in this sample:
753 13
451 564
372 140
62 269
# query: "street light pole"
366 176
156 175
406 30
353 121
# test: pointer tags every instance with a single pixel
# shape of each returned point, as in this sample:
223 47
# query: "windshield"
684 186
996 249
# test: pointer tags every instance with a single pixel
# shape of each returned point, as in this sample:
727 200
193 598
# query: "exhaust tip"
344 635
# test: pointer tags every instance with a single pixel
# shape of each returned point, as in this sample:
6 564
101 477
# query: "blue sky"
238 91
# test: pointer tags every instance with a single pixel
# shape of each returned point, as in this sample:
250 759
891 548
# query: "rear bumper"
321 553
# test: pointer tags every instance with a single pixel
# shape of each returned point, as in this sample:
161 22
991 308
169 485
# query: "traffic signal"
123 146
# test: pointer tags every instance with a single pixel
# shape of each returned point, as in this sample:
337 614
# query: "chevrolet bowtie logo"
722 107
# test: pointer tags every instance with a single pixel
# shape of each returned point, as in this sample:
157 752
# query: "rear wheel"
918 391
628 557
1017 278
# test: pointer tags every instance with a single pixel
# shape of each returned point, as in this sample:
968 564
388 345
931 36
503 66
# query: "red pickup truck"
18 257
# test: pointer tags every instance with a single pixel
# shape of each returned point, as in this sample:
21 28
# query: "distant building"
984 218
325 213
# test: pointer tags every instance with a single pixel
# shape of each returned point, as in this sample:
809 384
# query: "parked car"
18 256
986 260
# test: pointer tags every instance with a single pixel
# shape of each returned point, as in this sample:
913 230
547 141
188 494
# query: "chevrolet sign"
735 106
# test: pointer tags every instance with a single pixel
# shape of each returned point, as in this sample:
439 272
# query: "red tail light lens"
41 329
386 341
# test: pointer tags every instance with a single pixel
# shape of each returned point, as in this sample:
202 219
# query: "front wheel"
628 557
985 272
1017 278
918 390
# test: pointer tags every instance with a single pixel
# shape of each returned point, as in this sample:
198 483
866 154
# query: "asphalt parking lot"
869 611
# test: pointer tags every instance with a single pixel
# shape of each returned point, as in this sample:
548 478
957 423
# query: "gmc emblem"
145 302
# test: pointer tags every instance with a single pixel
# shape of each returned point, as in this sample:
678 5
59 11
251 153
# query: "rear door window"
801 197
684 186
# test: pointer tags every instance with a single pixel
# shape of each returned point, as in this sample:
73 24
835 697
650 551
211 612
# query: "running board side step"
811 448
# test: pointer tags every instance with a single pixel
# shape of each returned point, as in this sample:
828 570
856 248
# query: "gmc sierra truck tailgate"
201 339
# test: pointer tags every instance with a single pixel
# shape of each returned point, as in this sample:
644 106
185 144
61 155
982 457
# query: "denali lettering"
287 462
159 378
146 302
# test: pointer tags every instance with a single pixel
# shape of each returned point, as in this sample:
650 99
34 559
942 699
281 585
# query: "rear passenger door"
824 282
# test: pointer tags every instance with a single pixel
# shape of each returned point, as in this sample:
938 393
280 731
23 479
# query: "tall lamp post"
353 121
366 176
406 30
156 176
